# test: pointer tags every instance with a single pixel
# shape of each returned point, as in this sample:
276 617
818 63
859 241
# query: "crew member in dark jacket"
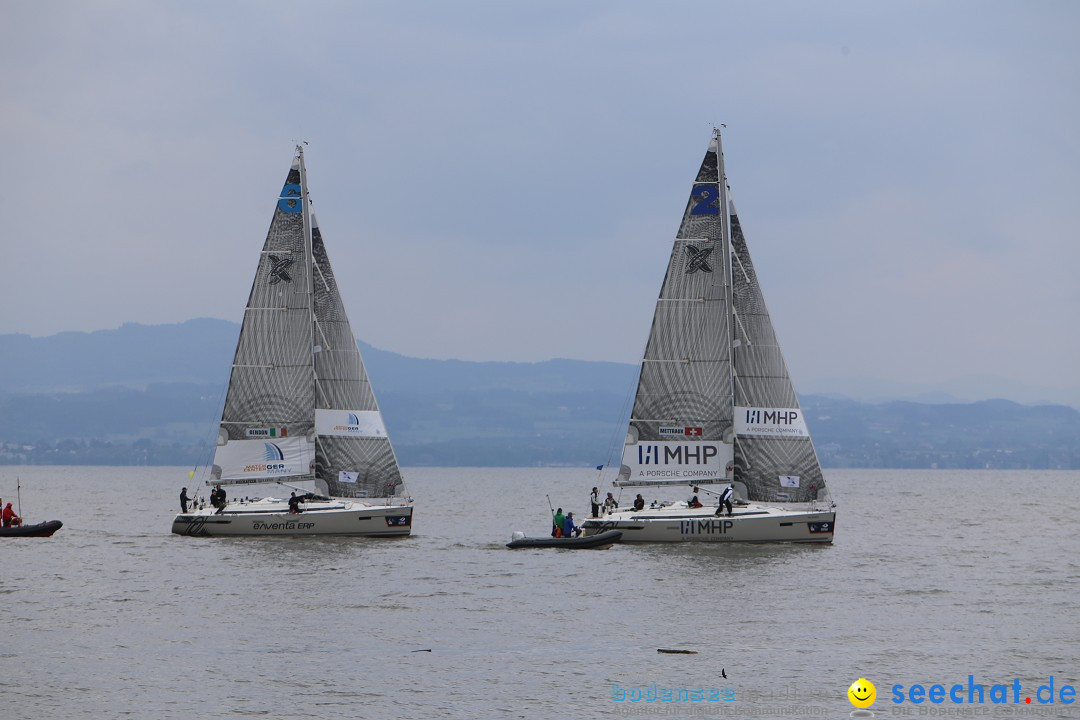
220 504
725 499
569 529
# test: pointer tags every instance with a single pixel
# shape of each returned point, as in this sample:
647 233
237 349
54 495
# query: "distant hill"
153 394
986 434
134 356
200 352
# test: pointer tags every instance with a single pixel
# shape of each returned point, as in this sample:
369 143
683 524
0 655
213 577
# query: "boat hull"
754 523
42 529
341 518
597 541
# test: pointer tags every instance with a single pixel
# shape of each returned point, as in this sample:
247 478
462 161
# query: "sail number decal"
290 199
708 200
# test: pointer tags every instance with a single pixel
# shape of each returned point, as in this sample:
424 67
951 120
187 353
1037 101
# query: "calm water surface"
934 576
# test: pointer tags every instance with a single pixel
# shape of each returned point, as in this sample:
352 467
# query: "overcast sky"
503 180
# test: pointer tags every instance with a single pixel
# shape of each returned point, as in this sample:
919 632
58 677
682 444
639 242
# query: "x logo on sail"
278 269
695 259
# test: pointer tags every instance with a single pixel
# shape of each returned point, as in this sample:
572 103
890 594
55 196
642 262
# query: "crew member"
10 518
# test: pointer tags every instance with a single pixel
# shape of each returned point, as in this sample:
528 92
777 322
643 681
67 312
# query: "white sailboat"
300 415
715 407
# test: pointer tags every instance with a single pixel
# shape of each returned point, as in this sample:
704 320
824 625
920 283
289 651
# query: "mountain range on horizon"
200 351
152 394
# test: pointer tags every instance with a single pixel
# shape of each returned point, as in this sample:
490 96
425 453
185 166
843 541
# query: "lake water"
933 577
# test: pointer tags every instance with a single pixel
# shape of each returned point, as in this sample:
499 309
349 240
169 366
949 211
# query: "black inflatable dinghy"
582 542
42 529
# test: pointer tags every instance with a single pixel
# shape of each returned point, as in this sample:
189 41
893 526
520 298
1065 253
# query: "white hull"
747 523
271 517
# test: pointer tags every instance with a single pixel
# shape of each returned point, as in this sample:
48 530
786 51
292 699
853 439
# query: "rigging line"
738 383
286 423
322 276
739 322
211 444
742 268
325 345
631 392
627 409
270 367
688 300
677 421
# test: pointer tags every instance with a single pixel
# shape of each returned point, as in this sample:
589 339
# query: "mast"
309 277
728 266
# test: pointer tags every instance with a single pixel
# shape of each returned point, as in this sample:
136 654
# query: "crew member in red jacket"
10 518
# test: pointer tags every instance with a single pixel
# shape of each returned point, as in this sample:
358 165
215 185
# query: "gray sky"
503 180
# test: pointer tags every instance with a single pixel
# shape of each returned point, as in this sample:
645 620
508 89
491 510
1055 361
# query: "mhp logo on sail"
678 454
758 416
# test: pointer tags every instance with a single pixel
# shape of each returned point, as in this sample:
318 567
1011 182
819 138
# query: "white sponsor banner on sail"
347 477
661 461
255 460
789 481
350 423
770 422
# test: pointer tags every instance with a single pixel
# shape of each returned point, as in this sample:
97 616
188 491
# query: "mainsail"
774 456
714 401
299 404
353 455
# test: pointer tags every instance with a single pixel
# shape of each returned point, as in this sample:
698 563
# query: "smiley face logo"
862 693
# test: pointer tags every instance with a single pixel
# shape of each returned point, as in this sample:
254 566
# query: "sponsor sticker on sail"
665 461
770 422
349 423
681 431
789 481
253 460
347 477
267 432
